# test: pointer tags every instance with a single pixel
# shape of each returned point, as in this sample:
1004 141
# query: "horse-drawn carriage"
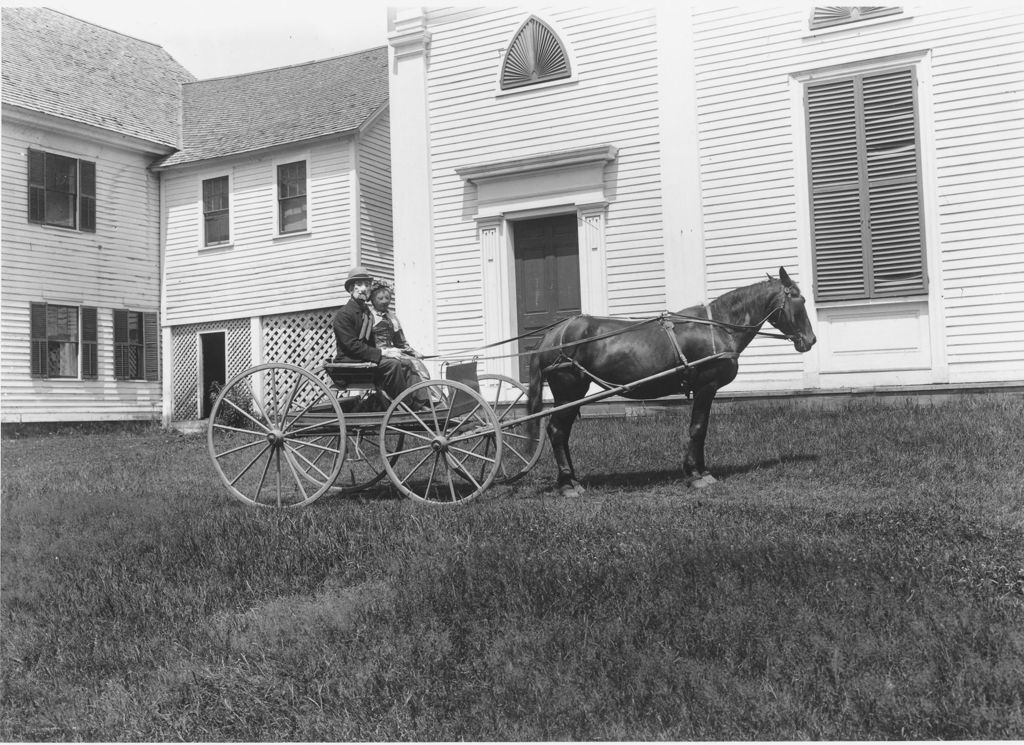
280 435
284 436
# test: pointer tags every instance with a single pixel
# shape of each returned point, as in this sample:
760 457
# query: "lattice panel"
185 360
302 339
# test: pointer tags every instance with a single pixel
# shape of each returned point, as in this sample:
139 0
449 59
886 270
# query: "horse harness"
664 321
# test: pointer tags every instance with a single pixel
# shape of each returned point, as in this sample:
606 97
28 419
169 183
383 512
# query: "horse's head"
790 317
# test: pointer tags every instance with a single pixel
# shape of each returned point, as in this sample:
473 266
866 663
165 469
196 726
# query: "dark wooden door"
547 277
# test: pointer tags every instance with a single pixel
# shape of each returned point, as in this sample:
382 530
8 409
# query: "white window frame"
275 194
201 215
936 371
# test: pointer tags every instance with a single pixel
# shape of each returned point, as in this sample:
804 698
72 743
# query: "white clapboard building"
85 112
281 186
624 161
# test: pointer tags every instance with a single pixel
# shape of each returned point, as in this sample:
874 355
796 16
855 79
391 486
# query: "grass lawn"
857 574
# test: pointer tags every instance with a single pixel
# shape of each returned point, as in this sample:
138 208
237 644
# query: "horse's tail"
535 395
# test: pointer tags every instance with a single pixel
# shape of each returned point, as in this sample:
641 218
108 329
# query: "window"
865 186
535 56
136 347
291 197
831 15
216 211
60 335
61 191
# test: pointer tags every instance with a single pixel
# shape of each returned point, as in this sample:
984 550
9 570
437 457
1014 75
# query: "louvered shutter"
839 239
89 343
87 195
36 186
865 186
37 322
151 341
121 345
894 184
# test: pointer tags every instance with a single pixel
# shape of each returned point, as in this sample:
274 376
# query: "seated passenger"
353 334
387 330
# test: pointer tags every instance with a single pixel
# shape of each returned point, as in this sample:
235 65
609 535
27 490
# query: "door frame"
499 272
513 224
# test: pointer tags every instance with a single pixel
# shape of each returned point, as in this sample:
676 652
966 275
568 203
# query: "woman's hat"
357 273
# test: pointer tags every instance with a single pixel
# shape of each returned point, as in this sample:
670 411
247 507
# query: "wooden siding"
744 60
118 267
376 237
260 273
614 101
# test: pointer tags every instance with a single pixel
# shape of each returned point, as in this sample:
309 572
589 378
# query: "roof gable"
243 113
62 66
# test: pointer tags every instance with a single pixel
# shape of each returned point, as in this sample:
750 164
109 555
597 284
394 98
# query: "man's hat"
358 272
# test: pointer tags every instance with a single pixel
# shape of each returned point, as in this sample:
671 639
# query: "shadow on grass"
632 479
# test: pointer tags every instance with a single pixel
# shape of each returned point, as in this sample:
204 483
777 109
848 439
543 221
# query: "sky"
212 39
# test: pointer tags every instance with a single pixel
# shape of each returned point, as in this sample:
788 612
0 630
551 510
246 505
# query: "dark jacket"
353 333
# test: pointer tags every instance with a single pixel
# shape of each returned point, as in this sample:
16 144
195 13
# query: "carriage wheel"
521 450
277 436
450 454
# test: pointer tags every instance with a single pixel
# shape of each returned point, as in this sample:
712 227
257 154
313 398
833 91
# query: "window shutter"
866 213
534 56
89 343
37 313
36 186
839 237
121 364
894 187
87 195
151 340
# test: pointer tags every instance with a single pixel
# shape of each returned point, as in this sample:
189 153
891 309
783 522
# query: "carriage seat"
357 386
346 375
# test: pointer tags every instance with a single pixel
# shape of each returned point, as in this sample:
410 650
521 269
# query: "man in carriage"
353 326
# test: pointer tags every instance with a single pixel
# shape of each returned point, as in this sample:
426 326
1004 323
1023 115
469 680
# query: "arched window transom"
536 55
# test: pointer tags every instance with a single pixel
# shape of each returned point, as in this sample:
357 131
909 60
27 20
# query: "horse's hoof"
571 490
701 482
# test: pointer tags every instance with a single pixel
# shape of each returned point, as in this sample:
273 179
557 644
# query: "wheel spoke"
415 468
292 466
311 464
246 446
263 476
316 400
246 414
250 463
414 433
451 484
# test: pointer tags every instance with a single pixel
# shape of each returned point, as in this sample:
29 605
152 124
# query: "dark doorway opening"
213 374
547 258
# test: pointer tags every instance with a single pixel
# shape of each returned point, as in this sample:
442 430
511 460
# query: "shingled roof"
243 113
59 65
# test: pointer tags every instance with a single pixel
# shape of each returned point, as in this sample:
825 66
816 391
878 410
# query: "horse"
702 343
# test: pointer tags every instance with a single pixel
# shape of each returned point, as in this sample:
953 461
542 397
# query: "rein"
666 317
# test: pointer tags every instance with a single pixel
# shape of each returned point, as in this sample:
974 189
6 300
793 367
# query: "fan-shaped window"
832 15
535 56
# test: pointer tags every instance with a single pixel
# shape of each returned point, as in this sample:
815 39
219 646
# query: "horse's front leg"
693 464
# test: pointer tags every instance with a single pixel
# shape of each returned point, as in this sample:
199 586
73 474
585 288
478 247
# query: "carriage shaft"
615 391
